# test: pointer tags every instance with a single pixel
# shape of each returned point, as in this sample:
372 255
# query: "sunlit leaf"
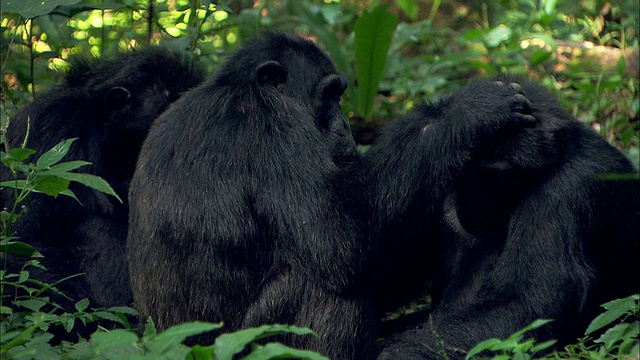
30 9
497 36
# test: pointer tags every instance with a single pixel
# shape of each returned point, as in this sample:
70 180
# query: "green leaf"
409 7
14 184
68 321
30 9
54 155
539 56
175 335
280 351
118 339
149 329
108 316
21 154
615 309
497 36
89 180
373 35
229 344
549 6
199 352
621 65
31 304
123 309
482 346
68 166
543 346
82 305
312 17
618 333
20 249
50 185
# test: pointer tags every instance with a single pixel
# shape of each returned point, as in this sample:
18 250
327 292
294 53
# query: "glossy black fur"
109 104
538 224
235 211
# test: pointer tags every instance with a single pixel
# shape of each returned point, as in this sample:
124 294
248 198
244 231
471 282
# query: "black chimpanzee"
247 205
542 222
233 216
109 105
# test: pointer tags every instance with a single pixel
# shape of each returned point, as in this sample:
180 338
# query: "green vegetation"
395 54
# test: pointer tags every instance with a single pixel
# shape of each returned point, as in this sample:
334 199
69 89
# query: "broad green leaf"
280 351
614 310
199 352
89 180
373 35
30 9
227 345
24 276
82 305
20 249
618 333
497 36
68 321
118 339
32 304
175 335
50 185
54 155
21 154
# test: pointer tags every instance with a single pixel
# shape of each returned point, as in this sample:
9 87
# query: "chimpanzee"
233 217
541 222
249 204
108 104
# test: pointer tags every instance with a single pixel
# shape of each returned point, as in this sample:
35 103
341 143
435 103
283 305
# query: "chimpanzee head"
298 69
127 93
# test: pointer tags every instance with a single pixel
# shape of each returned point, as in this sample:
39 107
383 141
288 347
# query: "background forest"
395 53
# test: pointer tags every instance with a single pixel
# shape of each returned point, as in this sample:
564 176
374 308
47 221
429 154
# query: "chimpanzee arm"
420 155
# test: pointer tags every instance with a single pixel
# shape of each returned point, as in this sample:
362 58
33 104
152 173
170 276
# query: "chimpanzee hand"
490 105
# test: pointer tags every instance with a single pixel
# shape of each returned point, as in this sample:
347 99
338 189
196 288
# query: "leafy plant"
515 347
619 324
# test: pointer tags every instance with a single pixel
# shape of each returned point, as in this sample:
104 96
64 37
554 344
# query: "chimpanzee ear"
116 98
331 87
271 73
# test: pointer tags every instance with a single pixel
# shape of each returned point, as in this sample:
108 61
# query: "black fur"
235 215
537 224
109 105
